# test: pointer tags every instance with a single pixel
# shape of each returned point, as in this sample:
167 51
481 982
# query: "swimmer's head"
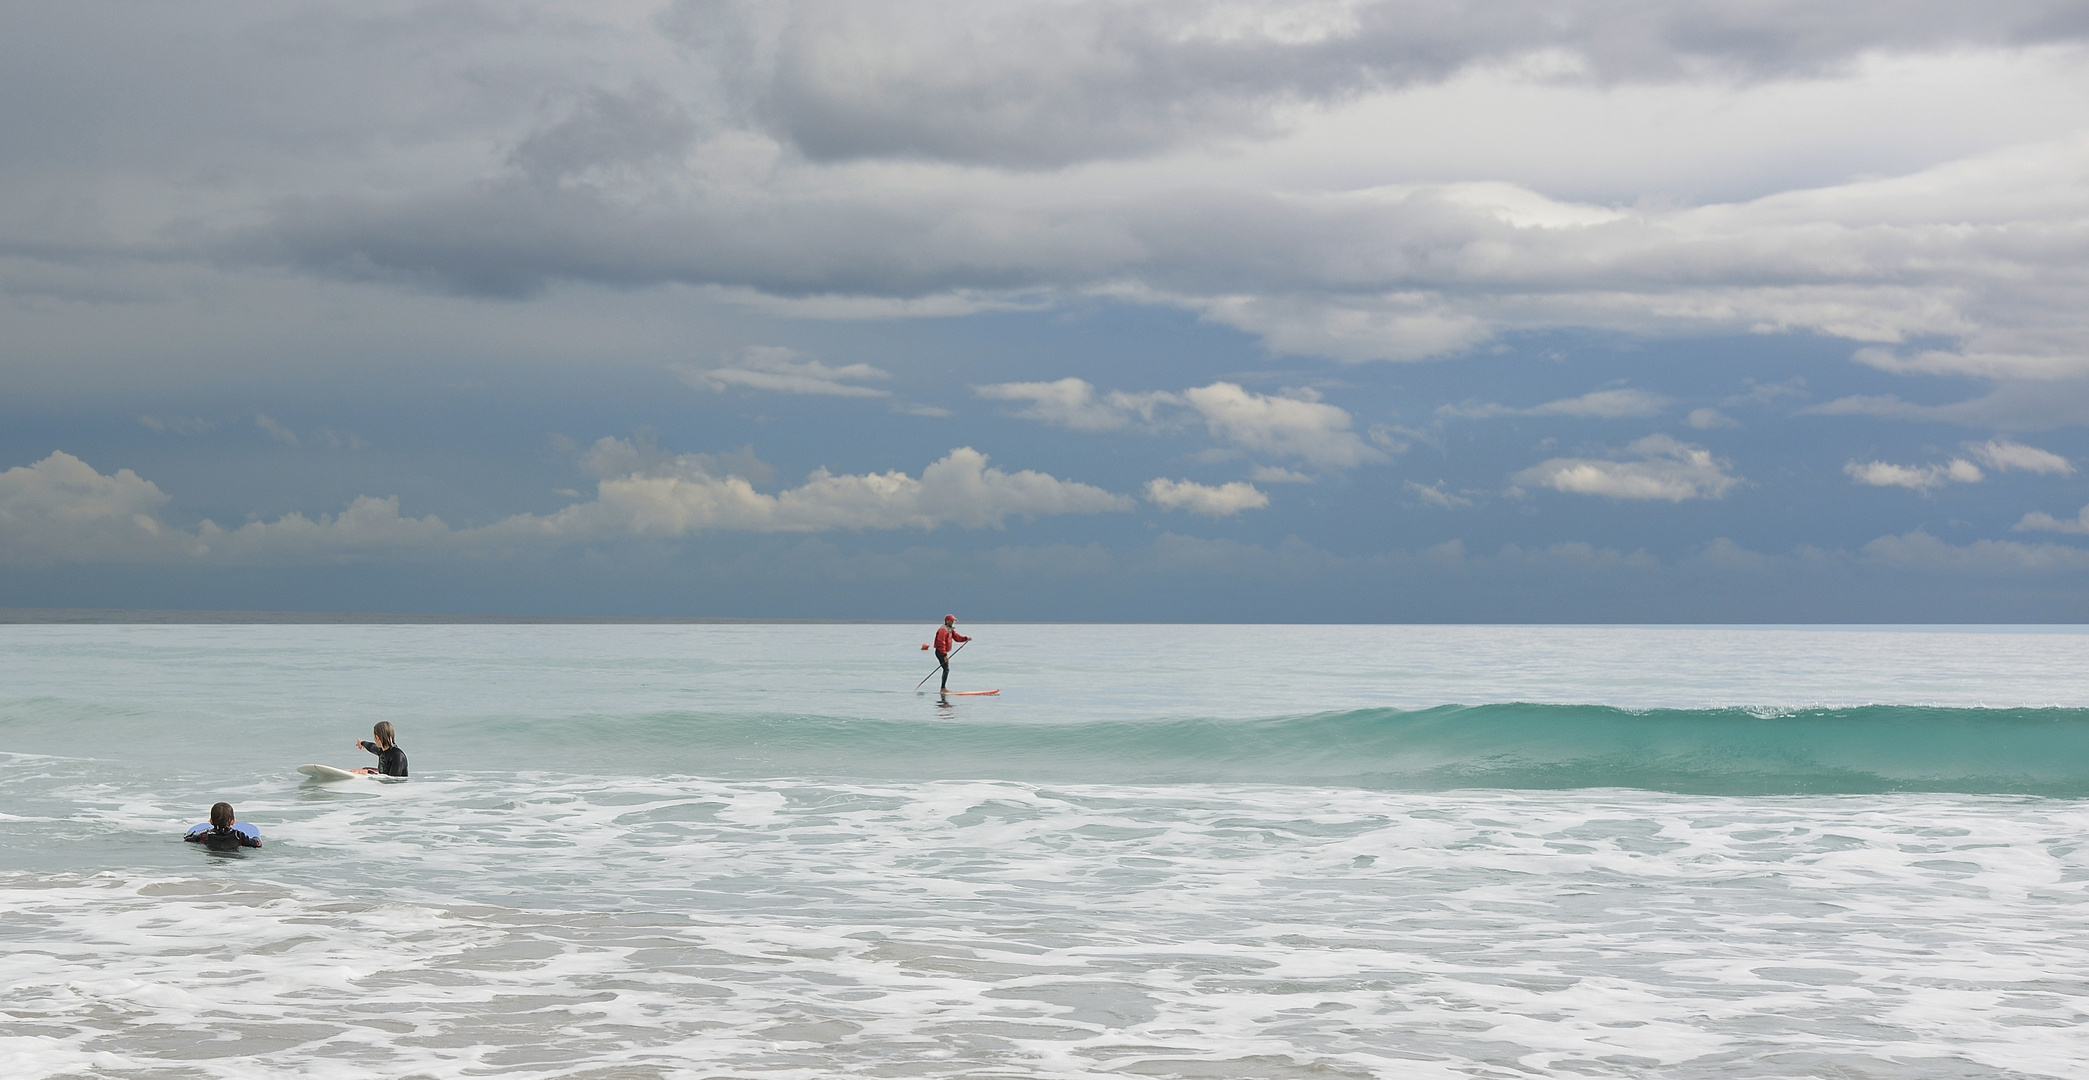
221 816
383 734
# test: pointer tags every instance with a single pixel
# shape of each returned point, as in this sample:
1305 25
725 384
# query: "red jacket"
944 636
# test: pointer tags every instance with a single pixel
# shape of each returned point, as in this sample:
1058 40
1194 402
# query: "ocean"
754 850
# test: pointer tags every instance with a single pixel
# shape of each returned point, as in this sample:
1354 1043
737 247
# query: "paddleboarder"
946 634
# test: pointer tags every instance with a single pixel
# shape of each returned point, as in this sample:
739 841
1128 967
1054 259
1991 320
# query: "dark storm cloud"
171 87
1398 272
1041 85
640 128
496 150
512 237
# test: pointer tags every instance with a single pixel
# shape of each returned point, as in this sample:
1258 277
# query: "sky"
1330 311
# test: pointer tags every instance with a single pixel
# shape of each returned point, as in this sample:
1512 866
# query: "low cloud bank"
63 510
683 497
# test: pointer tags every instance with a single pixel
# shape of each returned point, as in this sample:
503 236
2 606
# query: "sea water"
635 851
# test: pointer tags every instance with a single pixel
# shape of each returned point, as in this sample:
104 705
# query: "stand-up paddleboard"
324 773
968 693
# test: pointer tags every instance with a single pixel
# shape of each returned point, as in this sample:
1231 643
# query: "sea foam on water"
1165 851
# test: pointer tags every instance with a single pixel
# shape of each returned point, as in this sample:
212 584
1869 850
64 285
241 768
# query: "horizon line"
11 616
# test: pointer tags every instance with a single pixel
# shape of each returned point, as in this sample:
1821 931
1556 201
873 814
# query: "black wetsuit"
217 839
389 762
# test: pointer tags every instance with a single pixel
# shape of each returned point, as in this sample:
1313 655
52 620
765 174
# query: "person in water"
223 833
391 761
945 635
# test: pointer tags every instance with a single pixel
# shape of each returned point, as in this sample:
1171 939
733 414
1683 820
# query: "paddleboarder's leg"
944 659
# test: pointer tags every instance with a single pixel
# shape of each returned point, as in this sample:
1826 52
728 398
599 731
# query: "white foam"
528 927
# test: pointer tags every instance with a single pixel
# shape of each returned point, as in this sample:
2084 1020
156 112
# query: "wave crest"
1733 751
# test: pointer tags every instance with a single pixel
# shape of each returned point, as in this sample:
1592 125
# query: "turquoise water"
667 851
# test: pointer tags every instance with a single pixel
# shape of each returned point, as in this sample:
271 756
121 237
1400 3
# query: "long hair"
221 816
383 734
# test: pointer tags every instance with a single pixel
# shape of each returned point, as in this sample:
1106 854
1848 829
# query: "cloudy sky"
1613 310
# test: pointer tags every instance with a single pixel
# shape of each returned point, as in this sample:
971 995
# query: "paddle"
960 648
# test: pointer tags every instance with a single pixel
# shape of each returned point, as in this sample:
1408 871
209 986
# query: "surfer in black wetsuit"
391 761
223 833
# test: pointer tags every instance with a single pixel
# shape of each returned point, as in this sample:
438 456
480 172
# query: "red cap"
949 618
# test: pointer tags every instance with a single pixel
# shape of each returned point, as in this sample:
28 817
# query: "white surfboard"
328 772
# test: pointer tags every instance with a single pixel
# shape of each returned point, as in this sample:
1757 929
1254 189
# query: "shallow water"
752 851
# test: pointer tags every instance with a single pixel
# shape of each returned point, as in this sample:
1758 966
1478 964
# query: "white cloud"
1604 405
780 370
1403 325
2040 521
1964 362
1295 424
1913 477
1394 439
62 510
1073 403
368 527
1707 419
1920 550
1724 554
1597 405
1273 474
1221 501
275 431
1886 406
1663 468
1435 495
2009 406
1298 426
2004 455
